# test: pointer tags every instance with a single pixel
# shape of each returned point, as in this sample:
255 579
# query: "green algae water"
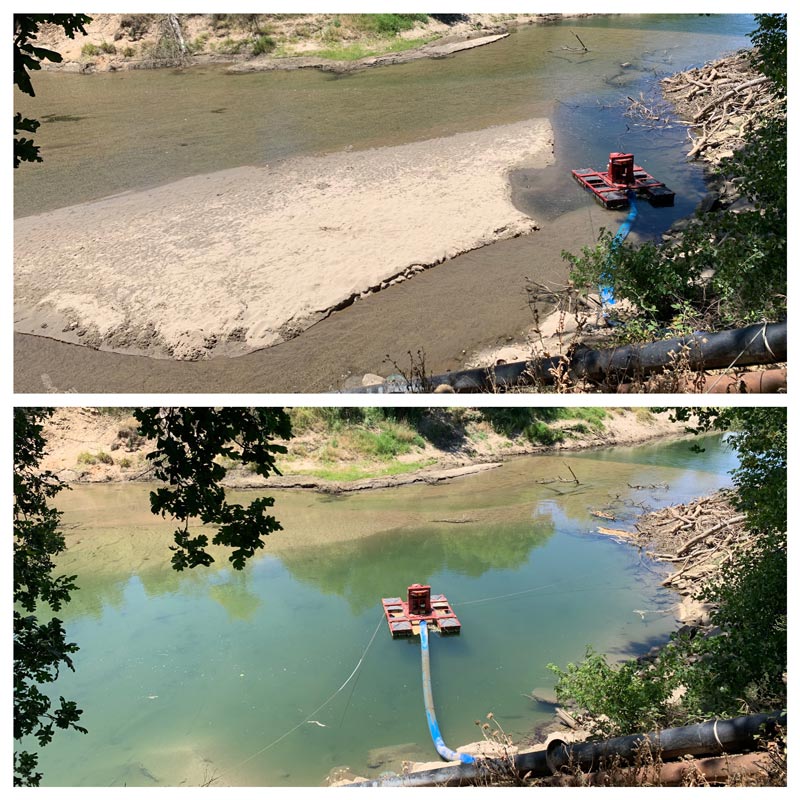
284 672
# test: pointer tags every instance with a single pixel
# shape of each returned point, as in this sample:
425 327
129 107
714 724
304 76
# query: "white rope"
310 717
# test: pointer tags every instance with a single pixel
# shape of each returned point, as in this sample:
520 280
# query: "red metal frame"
610 188
403 616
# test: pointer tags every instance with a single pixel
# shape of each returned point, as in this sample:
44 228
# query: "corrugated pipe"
762 343
703 739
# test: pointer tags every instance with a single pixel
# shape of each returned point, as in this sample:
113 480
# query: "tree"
40 649
27 56
188 443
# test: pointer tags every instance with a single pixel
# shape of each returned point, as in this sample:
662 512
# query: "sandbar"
233 261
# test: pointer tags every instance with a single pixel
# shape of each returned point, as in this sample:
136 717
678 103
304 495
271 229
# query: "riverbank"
89 445
259 42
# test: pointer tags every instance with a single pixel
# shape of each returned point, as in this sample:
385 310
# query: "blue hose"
427 692
606 287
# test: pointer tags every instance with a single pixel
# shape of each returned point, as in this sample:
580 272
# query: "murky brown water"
118 132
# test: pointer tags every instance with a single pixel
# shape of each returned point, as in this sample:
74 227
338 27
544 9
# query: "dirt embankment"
90 445
255 42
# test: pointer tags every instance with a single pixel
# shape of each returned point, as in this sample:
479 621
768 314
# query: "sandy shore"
230 262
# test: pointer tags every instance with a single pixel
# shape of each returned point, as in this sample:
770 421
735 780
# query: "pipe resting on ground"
710 738
762 343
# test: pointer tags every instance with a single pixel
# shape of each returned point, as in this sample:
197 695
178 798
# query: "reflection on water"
213 673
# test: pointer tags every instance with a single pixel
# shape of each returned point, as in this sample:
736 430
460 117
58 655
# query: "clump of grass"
540 432
231 46
94 458
389 440
388 24
90 50
262 44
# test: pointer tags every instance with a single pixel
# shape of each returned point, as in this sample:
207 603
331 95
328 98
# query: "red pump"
622 175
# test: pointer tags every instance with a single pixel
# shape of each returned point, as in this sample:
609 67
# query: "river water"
243 676
116 132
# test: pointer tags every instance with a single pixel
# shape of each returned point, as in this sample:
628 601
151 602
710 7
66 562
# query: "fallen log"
763 343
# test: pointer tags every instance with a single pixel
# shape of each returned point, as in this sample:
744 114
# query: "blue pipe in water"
427 692
606 287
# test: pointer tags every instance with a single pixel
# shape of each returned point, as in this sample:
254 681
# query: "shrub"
627 698
135 25
390 24
90 50
108 47
541 433
94 458
262 44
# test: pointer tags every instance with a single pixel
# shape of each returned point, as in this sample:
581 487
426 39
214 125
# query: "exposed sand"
233 261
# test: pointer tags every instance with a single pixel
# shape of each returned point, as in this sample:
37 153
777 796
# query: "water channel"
117 132
238 676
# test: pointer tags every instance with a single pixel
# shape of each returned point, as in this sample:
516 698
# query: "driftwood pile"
698 538
722 101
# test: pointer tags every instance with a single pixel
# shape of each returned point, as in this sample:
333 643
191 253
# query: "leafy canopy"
188 444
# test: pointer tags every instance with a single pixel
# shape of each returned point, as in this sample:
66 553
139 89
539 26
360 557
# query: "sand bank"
233 261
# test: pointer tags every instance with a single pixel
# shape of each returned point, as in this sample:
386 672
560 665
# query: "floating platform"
611 188
404 616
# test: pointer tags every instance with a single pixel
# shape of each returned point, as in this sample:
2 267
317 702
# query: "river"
117 132
242 677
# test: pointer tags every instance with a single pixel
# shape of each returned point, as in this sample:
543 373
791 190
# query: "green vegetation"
533 421
354 52
356 472
262 44
95 458
725 269
741 668
389 24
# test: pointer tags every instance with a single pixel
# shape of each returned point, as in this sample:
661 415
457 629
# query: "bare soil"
126 41
89 445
